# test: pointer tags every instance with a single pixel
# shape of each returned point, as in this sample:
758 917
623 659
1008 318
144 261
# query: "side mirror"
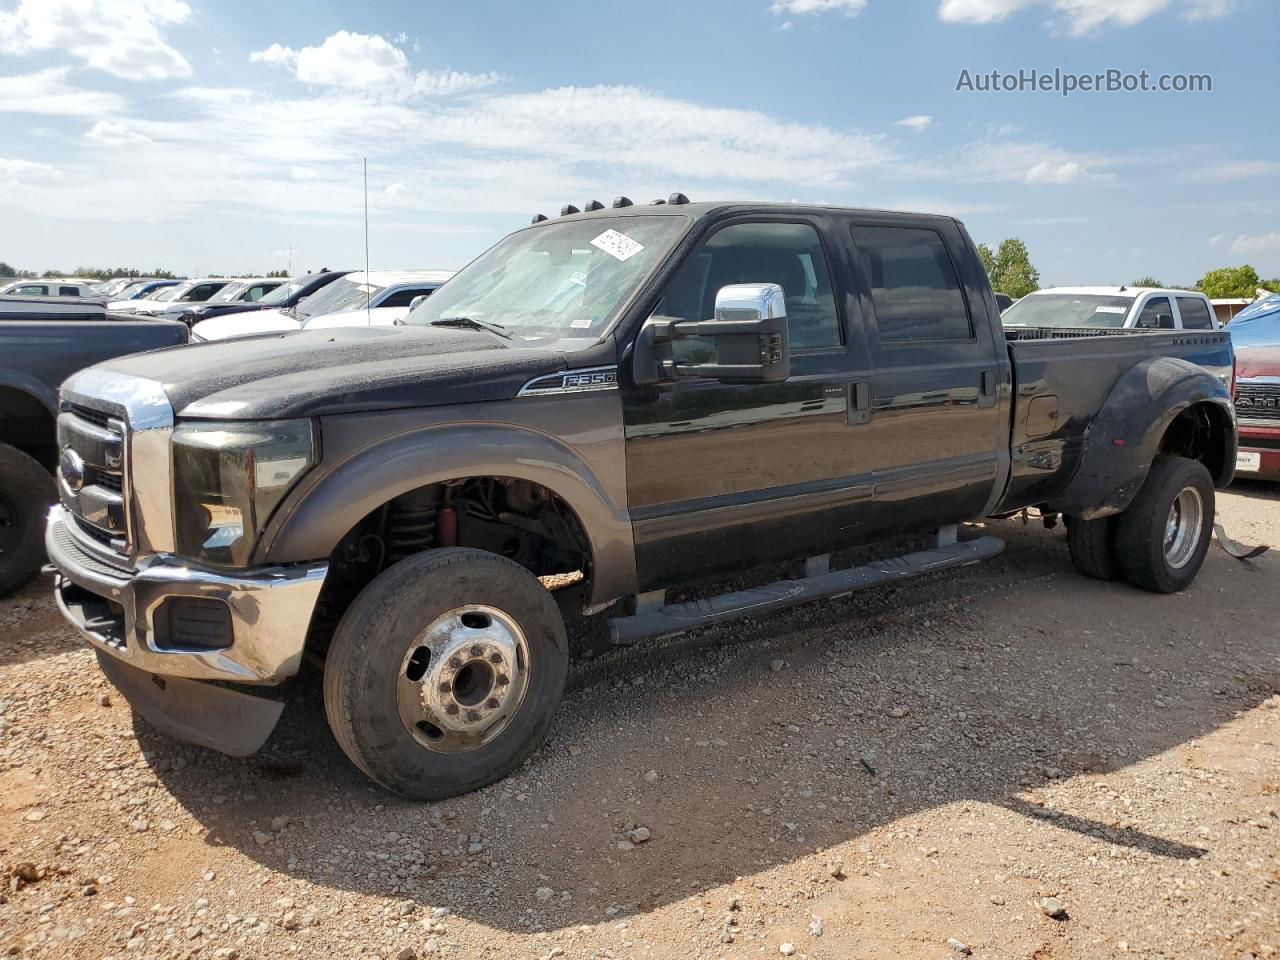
413 304
749 332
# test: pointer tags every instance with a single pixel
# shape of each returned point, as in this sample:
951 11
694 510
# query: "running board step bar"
679 617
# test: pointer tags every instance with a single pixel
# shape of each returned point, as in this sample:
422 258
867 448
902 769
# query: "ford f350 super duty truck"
642 397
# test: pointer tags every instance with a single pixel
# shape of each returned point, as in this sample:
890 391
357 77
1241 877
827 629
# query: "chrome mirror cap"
751 301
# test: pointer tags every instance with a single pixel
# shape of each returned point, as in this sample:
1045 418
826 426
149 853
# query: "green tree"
1230 282
1013 272
7 271
1147 281
988 259
1273 284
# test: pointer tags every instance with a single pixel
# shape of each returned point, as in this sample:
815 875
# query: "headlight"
228 477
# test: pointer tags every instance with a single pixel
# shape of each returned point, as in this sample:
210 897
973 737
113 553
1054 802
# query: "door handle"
860 402
987 388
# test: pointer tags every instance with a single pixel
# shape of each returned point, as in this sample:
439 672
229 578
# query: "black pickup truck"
638 398
42 341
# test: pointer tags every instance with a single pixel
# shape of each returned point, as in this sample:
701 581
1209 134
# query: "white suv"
1129 308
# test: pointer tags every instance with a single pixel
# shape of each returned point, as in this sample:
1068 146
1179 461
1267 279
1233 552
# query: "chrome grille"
1255 401
93 472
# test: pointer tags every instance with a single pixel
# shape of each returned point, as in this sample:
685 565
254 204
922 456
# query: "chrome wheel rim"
1182 527
463 679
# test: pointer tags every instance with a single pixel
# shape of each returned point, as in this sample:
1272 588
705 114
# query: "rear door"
938 433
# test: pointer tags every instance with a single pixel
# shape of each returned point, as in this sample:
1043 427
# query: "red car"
1257 345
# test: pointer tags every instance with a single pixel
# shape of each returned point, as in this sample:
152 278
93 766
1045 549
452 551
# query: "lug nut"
477 650
451 708
503 679
495 658
472 715
446 687
492 703
455 662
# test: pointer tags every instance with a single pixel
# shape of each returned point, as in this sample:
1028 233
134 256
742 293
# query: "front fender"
1124 438
26 383
316 517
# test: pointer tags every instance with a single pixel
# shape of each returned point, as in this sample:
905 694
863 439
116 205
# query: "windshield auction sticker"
617 245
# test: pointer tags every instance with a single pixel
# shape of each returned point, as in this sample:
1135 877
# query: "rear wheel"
1093 547
26 491
1162 539
445 672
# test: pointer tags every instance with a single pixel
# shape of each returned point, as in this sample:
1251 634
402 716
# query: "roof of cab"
1116 291
703 208
387 278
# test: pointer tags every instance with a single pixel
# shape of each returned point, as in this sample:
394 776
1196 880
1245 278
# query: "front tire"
445 672
26 491
1162 539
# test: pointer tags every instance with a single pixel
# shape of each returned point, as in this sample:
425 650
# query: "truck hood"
244 324
307 374
1259 361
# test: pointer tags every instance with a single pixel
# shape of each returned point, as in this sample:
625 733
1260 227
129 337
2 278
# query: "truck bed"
1063 376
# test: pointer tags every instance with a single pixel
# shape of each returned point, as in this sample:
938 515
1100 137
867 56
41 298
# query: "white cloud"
799 7
1049 171
1233 170
369 64
47 92
27 169
919 123
1215 240
1263 243
394 189
1079 17
120 37
115 134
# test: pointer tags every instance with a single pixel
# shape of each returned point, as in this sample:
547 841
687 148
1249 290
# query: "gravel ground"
1011 762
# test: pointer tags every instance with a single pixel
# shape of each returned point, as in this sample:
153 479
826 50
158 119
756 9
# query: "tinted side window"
402 298
68 291
1195 314
1156 307
788 254
913 284
32 290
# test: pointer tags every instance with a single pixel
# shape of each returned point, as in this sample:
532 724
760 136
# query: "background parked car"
1145 308
246 291
1255 332
49 287
141 289
378 288
285 297
189 291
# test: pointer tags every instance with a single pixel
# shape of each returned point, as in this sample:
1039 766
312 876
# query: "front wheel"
1162 539
445 672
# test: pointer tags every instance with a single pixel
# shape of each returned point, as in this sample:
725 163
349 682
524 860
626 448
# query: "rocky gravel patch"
1013 762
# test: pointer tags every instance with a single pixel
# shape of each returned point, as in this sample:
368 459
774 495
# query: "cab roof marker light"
538 218
593 205
567 209
677 197
621 202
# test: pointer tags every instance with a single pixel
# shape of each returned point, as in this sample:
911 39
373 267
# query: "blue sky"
207 137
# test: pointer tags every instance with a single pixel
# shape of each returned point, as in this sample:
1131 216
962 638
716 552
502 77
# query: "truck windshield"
559 280
1068 310
344 293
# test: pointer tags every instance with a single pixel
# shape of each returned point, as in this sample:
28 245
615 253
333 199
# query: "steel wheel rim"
1182 527
463 679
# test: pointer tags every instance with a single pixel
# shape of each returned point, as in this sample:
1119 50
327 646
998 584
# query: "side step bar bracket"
678 617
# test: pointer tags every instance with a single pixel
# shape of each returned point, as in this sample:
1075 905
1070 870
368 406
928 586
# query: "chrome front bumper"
115 610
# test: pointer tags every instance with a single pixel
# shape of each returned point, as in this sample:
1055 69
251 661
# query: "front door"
724 476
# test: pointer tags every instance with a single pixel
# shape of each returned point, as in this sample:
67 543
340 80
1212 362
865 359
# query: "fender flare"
1124 438
315 517
38 389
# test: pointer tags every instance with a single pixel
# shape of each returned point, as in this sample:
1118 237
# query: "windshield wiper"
468 322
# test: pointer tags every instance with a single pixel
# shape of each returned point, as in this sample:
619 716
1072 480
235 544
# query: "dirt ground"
928 770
